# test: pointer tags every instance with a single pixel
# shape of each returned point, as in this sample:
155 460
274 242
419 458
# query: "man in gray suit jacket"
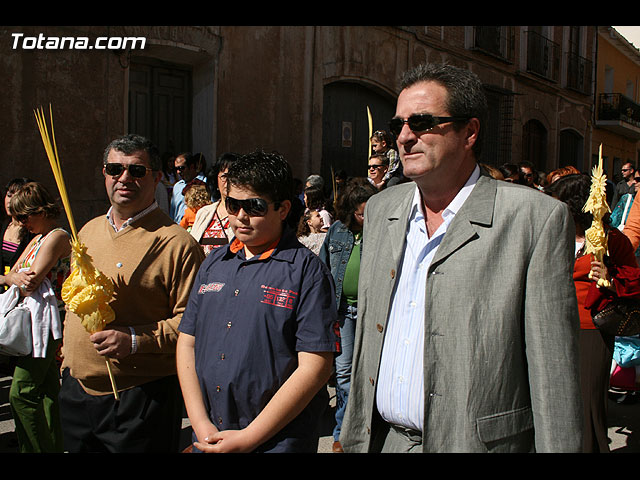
467 322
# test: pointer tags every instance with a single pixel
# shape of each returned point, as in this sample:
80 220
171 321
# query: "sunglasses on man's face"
116 169
254 207
420 122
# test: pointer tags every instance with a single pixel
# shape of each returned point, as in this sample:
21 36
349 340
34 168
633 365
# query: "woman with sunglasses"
211 226
36 381
15 237
341 253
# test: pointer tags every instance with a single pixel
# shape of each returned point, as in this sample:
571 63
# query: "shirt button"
229 325
236 292
218 388
222 356
393 273
379 327
371 381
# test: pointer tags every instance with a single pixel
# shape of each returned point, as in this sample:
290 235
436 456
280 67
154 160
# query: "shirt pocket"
337 251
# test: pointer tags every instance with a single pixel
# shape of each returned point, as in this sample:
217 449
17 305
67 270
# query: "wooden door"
160 105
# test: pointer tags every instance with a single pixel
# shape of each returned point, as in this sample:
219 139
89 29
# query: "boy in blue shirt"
257 338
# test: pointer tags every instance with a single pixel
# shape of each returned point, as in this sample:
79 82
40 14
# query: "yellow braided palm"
595 236
88 291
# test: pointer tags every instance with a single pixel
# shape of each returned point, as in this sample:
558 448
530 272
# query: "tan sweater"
153 264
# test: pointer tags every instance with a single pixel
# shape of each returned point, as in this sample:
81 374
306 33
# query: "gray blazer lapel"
477 210
397 220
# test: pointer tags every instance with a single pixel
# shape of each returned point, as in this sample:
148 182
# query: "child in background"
314 199
310 232
196 196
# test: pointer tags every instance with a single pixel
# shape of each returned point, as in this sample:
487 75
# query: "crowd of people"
239 297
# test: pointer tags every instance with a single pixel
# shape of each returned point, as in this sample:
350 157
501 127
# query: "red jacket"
623 268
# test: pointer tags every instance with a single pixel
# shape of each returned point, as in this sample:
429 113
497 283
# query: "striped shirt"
129 221
400 390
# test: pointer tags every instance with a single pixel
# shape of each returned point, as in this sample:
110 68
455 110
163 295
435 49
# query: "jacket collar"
477 210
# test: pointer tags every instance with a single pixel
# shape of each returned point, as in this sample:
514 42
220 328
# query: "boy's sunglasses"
116 169
254 207
420 122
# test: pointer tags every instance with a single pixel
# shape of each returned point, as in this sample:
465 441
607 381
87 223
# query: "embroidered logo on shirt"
279 297
210 287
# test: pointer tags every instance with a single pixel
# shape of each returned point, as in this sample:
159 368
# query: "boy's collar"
237 245
284 253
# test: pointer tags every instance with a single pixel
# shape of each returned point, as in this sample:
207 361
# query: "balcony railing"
579 73
497 41
615 106
619 114
543 56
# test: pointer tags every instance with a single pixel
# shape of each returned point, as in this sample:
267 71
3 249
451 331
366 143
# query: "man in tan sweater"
152 262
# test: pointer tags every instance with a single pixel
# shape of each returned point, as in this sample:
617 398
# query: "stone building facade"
303 91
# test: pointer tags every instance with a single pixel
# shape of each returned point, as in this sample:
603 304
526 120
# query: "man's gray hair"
131 143
315 181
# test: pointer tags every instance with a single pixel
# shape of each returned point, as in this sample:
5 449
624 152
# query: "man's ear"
473 130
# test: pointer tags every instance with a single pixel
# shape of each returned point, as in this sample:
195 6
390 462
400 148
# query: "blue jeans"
347 321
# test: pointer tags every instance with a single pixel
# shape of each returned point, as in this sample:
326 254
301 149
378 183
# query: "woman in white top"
211 226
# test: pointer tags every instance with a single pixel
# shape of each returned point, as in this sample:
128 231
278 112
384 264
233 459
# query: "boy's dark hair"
267 174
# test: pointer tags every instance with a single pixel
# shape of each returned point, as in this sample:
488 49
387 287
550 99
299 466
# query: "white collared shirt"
400 390
129 221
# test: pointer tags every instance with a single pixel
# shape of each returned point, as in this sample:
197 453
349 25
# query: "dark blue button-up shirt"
250 318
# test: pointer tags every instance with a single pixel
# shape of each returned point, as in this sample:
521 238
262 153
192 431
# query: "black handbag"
620 318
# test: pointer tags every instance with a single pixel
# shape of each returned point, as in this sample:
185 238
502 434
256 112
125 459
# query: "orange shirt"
188 218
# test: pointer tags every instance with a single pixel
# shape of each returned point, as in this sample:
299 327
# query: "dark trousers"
148 418
596 351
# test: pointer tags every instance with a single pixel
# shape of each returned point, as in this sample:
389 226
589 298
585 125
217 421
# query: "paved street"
624 425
